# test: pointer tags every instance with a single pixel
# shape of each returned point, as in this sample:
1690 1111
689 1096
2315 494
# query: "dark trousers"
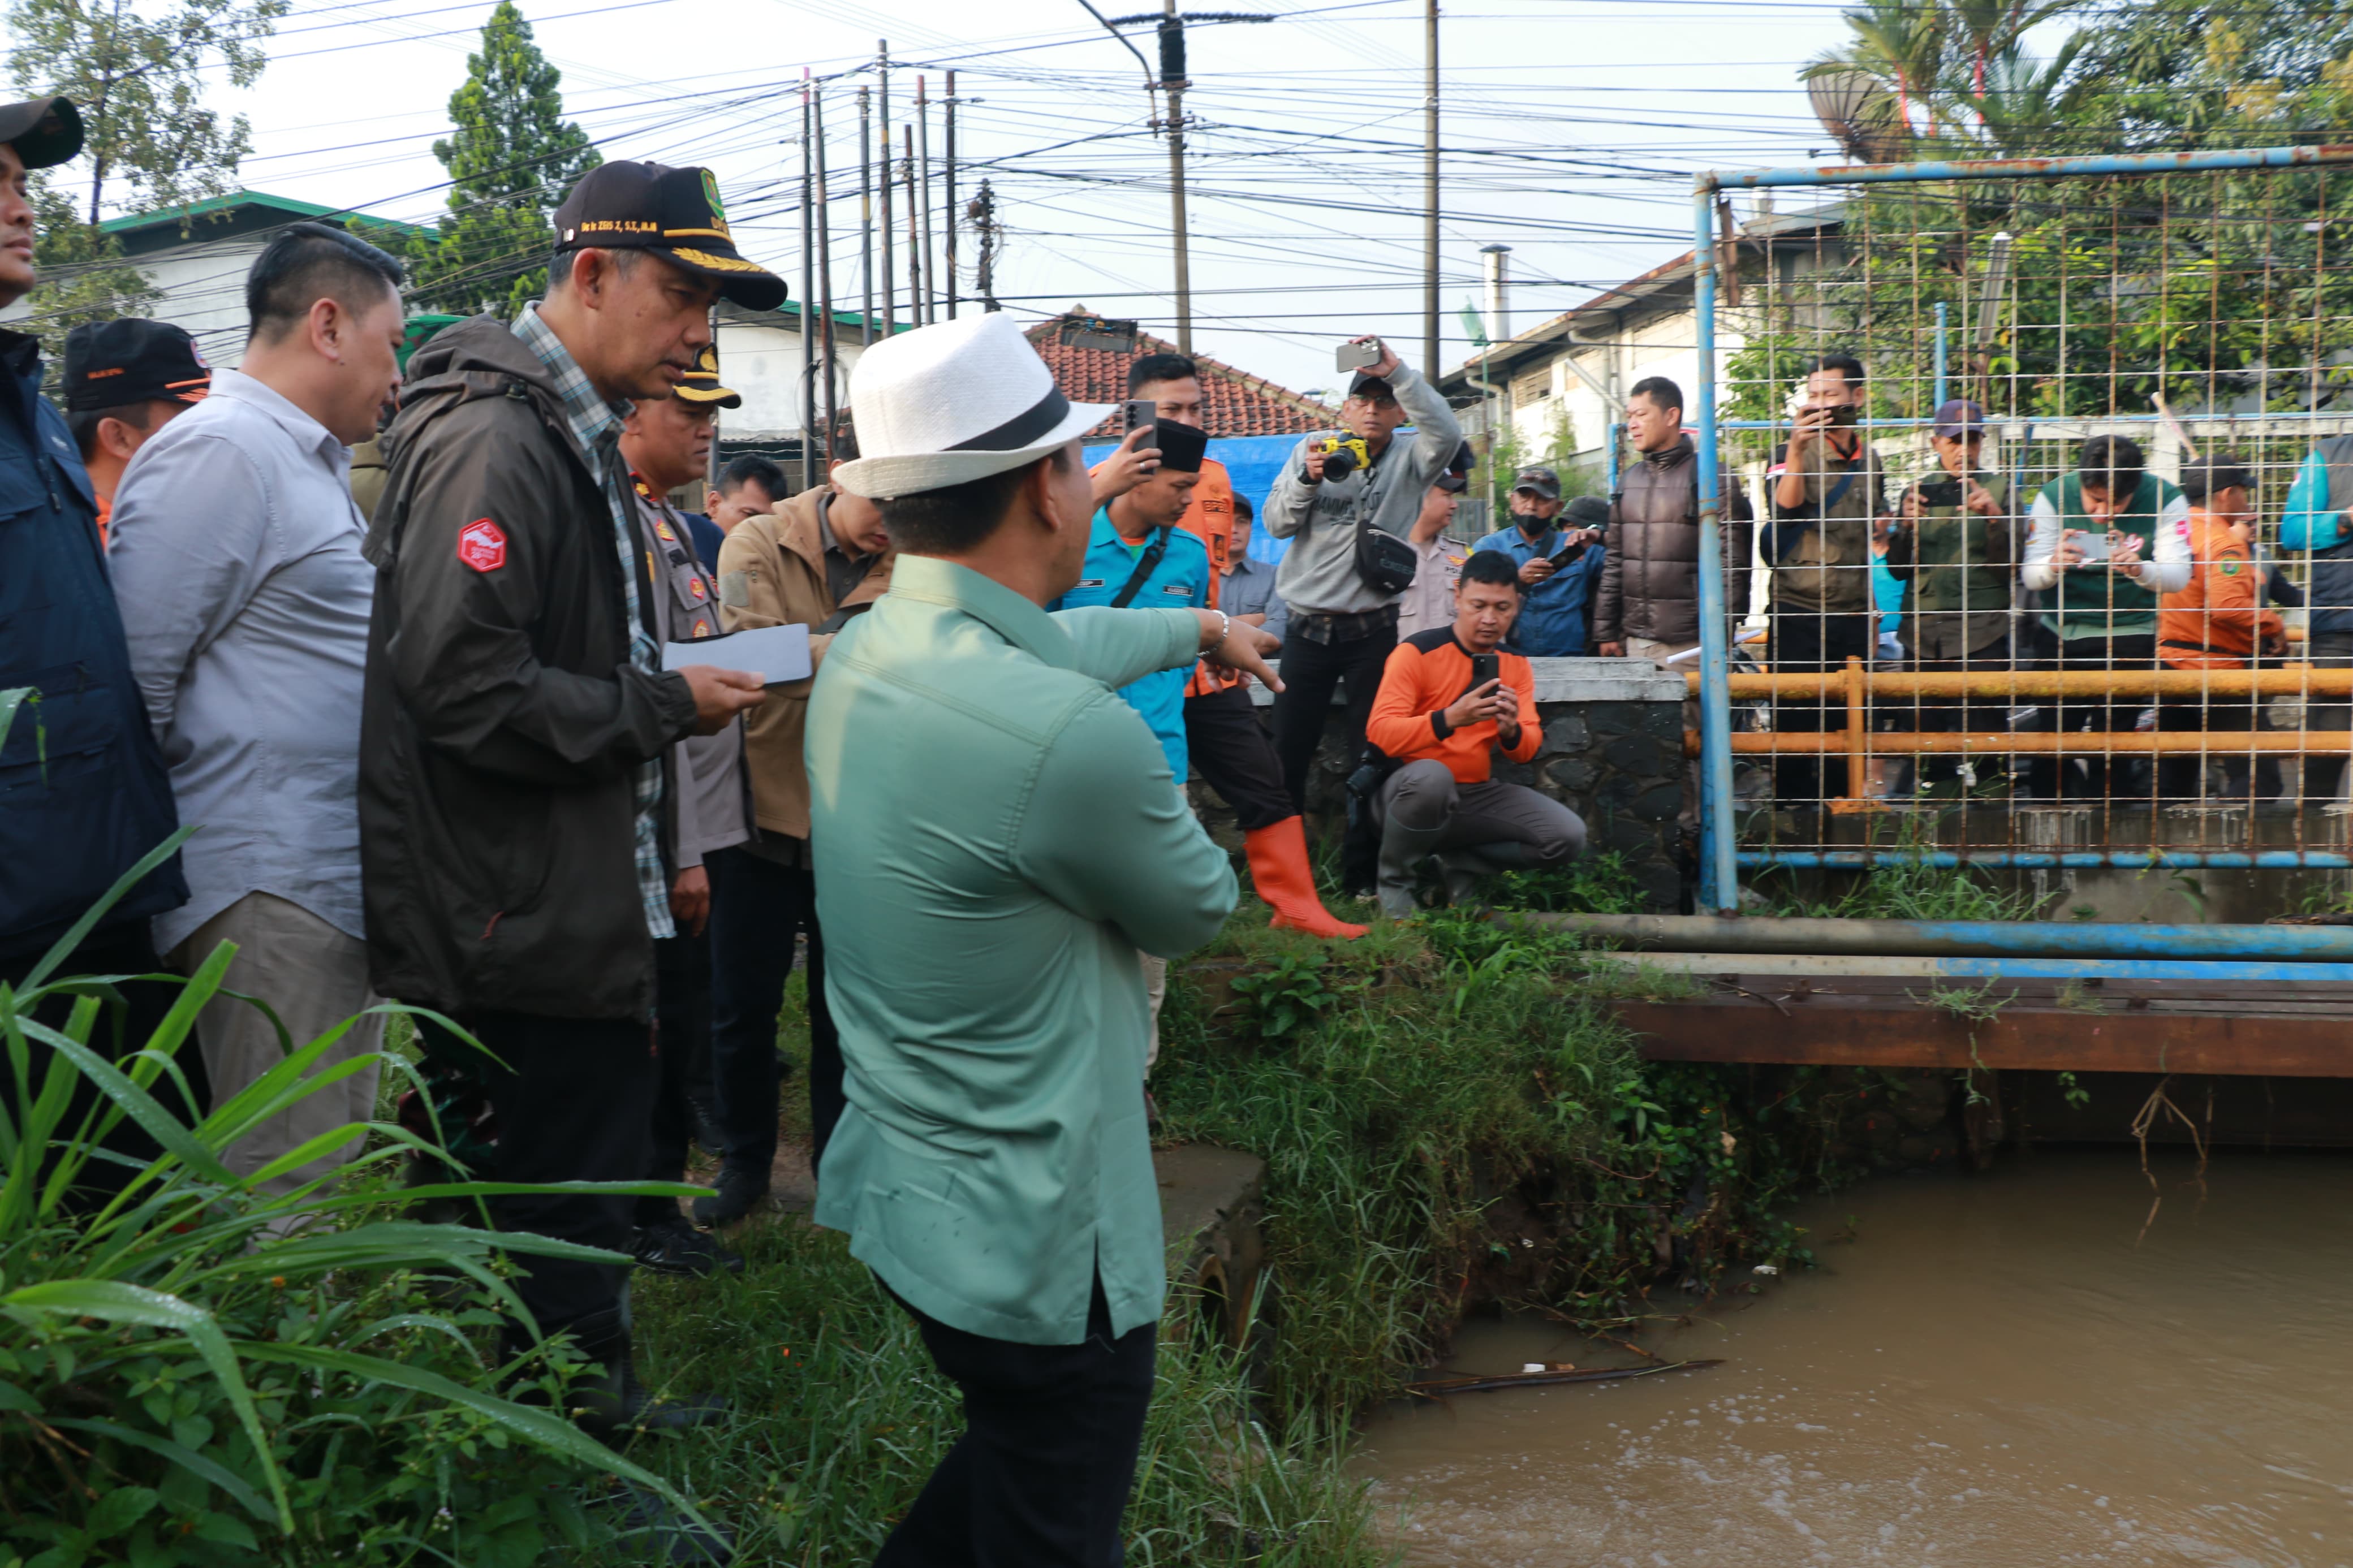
2092 774
1041 1475
1237 758
683 1057
2324 776
757 906
120 1031
1312 672
1960 715
571 1098
1805 642
2181 776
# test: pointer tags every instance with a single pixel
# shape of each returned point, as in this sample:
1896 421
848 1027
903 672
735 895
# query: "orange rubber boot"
1277 863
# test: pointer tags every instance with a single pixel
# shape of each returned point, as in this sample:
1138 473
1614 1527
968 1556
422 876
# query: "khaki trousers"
1155 992
313 976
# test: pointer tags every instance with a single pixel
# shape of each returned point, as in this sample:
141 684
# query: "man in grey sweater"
1342 629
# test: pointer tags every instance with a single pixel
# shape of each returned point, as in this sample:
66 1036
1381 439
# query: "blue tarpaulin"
1252 463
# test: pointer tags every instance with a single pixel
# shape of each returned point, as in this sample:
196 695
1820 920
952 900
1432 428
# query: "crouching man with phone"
1449 699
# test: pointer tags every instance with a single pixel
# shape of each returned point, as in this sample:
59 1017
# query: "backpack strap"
1144 567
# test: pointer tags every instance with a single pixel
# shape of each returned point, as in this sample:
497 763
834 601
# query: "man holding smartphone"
1342 625
2107 541
1450 699
1827 488
1559 566
1954 541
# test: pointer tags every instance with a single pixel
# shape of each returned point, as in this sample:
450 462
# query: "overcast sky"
1571 130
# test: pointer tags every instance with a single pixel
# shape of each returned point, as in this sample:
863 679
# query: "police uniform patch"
482 544
662 532
694 586
735 590
702 628
2229 566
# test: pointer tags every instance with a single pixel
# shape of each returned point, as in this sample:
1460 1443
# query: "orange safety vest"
2213 623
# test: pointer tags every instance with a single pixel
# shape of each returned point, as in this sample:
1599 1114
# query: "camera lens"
1339 463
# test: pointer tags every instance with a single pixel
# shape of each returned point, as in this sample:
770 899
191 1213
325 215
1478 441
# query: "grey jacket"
709 804
1319 572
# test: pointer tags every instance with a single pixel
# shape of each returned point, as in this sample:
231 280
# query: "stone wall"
1612 752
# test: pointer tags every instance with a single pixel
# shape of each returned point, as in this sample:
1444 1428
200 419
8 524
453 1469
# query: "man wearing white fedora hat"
997 836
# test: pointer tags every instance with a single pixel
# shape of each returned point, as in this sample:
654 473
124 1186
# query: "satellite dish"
1856 109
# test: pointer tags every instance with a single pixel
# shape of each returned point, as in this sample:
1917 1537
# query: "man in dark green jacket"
518 718
1956 540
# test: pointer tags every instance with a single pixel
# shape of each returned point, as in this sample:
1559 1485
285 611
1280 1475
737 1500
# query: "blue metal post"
1617 439
1940 353
1719 887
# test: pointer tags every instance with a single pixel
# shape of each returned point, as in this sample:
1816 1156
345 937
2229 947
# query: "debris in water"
1540 1376
1766 1269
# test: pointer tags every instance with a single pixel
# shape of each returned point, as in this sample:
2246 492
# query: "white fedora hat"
954 402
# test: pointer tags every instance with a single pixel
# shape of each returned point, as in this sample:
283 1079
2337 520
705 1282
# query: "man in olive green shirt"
997 837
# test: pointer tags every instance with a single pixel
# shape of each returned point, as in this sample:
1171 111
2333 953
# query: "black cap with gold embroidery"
701 386
651 206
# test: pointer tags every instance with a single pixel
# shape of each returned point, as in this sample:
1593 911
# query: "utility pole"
984 224
883 118
915 249
931 307
1430 366
1172 82
808 289
825 269
948 206
865 220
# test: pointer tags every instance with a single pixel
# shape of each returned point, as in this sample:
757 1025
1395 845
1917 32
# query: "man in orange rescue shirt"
1222 733
2216 622
1443 729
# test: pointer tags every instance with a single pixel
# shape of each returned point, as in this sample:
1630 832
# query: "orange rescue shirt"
1424 677
2215 621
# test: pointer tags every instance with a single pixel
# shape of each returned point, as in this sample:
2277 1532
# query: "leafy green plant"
195 1370
1284 996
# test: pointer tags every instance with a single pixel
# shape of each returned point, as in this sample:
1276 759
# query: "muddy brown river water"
1993 1374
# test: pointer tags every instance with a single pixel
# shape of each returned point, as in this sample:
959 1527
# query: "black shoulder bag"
1385 563
1143 565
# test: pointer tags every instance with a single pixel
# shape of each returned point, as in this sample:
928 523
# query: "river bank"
1446 1120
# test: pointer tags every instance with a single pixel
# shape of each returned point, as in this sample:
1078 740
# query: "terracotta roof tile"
1233 402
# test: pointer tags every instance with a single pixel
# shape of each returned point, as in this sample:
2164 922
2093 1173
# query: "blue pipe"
2036 859
2213 161
1963 939
2285 414
1940 353
2133 969
1719 873
1616 438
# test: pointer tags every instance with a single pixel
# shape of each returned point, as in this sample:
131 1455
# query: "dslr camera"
1342 456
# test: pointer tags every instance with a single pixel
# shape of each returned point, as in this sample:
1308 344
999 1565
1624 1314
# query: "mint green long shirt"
996 835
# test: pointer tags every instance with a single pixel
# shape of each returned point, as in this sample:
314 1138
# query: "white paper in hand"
775 654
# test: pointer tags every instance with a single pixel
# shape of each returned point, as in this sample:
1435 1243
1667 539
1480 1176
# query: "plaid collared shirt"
596 426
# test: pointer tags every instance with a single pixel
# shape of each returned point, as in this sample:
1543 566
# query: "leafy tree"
137 75
513 157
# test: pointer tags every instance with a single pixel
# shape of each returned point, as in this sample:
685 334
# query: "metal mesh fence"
2052 476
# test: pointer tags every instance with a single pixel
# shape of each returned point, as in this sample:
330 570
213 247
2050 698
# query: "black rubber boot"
611 1404
740 1191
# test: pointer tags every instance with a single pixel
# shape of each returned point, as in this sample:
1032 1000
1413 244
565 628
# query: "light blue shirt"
1551 622
235 550
1180 580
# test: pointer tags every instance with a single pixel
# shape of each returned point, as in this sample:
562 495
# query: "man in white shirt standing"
235 556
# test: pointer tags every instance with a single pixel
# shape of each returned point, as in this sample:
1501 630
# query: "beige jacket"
772 573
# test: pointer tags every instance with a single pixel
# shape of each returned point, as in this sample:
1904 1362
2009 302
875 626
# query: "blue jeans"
757 906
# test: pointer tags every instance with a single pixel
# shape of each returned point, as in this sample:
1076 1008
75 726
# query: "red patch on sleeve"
482 544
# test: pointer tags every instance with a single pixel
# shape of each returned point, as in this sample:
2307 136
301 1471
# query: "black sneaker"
740 1191
673 1247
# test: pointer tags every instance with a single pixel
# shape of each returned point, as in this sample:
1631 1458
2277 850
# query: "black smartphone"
1843 415
1139 411
1484 667
1567 553
1941 492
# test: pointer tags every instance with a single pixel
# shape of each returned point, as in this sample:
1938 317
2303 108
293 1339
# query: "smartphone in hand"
1138 412
1484 667
1358 356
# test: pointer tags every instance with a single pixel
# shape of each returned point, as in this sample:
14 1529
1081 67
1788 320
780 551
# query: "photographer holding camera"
1955 539
1349 559
1827 488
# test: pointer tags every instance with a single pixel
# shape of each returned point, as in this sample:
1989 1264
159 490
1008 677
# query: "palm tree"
2025 106
1980 30
1900 42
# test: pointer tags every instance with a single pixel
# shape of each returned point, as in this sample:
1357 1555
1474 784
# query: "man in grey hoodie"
1342 629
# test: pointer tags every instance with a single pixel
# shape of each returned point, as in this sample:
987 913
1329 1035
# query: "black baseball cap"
701 386
46 131
674 212
1586 512
110 364
1373 386
2201 477
1457 476
1537 482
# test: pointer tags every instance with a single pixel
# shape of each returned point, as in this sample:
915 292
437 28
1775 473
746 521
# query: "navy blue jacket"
75 819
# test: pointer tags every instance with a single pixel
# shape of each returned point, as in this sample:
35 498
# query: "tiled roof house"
1234 402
